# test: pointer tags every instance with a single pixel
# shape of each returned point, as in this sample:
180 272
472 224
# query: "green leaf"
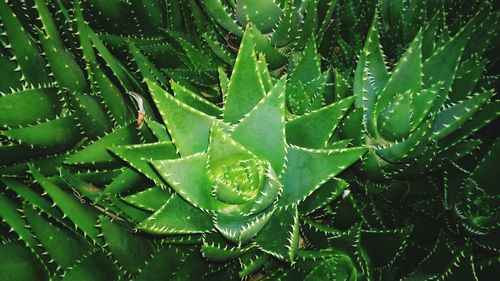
188 177
32 197
65 69
96 153
421 104
407 76
89 112
314 129
188 127
442 65
410 147
455 116
112 97
52 136
63 246
484 173
147 69
96 267
158 130
371 74
218 12
17 263
262 45
323 195
280 236
215 248
83 216
41 103
195 101
267 142
308 169
27 56
308 68
163 263
127 180
150 199
10 77
264 14
11 217
176 216
128 248
245 88
140 155
240 228
381 248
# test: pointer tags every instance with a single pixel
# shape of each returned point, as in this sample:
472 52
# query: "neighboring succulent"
422 110
278 25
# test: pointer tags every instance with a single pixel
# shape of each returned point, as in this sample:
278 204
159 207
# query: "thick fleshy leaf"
195 101
371 74
65 69
406 77
14 219
421 103
32 197
413 145
455 116
262 13
216 248
262 130
177 216
314 129
308 169
441 66
158 130
484 173
96 153
188 127
83 216
52 136
218 12
150 199
163 263
323 195
41 103
280 236
140 155
63 246
96 266
18 263
245 88
188 177
129 249
28 58
240 228
383 247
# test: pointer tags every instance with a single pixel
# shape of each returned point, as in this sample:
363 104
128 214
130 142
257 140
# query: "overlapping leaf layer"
255 140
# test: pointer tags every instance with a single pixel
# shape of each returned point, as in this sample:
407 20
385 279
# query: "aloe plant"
228 140
241 175
278 26
412 116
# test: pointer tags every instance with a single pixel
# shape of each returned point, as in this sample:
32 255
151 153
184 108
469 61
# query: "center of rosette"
238 181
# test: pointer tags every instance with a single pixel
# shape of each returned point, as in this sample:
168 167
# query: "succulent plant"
229 140
414 115
278 26
243 171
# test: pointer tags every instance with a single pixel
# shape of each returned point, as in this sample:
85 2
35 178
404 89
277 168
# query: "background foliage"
258 140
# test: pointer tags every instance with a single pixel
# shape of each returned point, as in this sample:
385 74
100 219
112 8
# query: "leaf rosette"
422 110
244 171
